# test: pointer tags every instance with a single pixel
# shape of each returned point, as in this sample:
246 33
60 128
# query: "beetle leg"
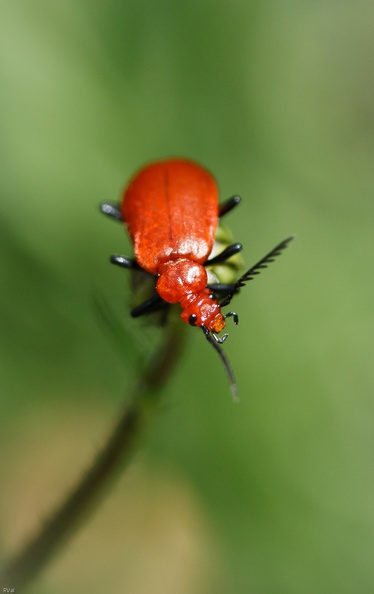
231 250
151 305
234 315
112 210
220 291
124 262
220 339
219 288
211 335
228 205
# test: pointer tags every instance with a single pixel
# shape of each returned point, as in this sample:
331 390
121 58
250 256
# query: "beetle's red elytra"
171 211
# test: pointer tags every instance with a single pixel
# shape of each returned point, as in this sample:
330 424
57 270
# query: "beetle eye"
192 319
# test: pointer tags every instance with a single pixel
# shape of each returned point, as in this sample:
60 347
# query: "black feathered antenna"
256 269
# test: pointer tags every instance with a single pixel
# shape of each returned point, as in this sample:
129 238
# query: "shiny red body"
171 211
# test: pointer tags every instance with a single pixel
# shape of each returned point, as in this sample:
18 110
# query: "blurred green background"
275 494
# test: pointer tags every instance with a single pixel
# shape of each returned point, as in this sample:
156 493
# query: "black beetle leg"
211 335
155 303
231 250
228 205
124 262
111 210
220 288
234 315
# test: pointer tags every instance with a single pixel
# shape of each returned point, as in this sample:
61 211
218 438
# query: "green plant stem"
116 452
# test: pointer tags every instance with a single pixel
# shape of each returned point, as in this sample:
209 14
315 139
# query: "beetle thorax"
180 277
184 281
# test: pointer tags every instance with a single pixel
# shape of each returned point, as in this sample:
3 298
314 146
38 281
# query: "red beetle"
171 212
